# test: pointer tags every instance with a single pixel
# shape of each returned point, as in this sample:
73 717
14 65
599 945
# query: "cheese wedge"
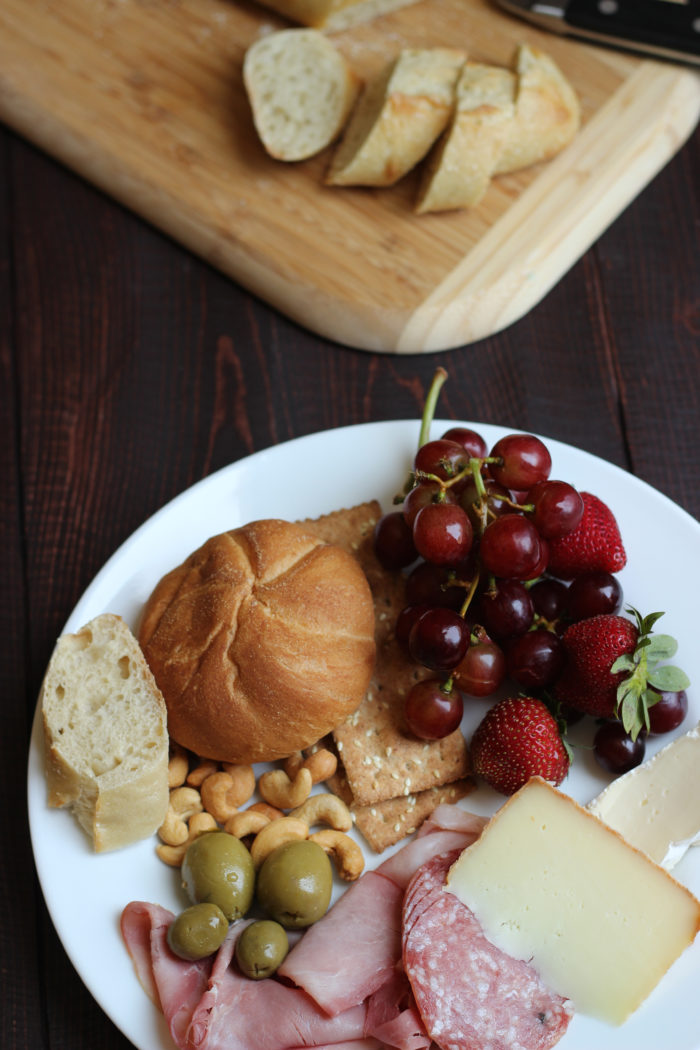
656 807
552 884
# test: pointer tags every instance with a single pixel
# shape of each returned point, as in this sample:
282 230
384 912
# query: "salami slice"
428 881
470 994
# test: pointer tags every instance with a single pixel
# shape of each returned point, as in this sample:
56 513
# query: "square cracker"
381 759
386 823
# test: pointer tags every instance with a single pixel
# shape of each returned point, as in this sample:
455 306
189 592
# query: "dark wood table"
130 370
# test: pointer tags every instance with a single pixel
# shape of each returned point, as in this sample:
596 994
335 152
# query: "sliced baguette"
105 731
459 168
400 114
334 15
547 112
301 91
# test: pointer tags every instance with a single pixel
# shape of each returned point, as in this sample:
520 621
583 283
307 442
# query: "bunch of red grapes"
473 534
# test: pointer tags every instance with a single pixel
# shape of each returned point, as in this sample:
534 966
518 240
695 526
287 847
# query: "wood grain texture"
146 101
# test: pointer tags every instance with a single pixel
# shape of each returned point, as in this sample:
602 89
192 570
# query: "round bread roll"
261 642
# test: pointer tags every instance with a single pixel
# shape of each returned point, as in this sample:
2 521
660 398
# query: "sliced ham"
209 1005
469 994
447 817
353 949
176 986
392 1016
402 866
236 1013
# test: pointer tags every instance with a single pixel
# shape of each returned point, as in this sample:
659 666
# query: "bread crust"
398 117
261 642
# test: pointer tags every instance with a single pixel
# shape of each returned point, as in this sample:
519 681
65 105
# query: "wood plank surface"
146 100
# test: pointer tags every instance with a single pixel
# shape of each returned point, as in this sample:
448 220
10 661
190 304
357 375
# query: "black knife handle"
659 23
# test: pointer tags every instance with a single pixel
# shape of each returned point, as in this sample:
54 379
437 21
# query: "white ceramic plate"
86 893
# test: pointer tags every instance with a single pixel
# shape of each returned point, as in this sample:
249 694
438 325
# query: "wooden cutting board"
145 99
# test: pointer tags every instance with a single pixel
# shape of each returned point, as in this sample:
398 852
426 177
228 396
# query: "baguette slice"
105 730
401 113
547 112
334 15
301 91
459 168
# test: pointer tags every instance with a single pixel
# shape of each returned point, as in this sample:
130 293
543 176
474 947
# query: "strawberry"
519 738
595 543
611 664
592 647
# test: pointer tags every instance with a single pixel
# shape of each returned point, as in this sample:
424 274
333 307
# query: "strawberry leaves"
645 667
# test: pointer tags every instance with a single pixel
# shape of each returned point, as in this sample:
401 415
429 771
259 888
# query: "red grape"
615 750
422 495
495 497
526 460
442 458
393 541
549 598
405 621
668 712
506 609
535 659
470 441
431 711
428 584
442 533
483 668
593 594
510 547
438 639
558 508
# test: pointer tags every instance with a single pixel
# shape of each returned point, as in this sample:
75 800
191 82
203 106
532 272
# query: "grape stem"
430 405
470 594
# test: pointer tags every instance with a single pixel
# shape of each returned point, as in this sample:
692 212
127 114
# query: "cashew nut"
322 764
246 822
264 807
184 803
204 769
178 765
274 834
293 763
324 809
223 793
344 852
175 854
283 793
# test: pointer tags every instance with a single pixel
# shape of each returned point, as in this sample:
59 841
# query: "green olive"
261 948
218 869
198 931
295 883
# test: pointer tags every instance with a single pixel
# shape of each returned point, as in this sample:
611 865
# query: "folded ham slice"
353 949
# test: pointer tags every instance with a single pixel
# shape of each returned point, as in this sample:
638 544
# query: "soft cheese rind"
656 807
599 920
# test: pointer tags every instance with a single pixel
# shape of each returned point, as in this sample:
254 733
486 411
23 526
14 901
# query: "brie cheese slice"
656 807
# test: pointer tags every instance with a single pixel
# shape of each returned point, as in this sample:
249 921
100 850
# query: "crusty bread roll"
301 91
459 168
261 642
105 733
547 112
334 14
400 114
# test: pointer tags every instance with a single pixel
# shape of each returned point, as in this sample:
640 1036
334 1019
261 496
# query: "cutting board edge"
443 320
